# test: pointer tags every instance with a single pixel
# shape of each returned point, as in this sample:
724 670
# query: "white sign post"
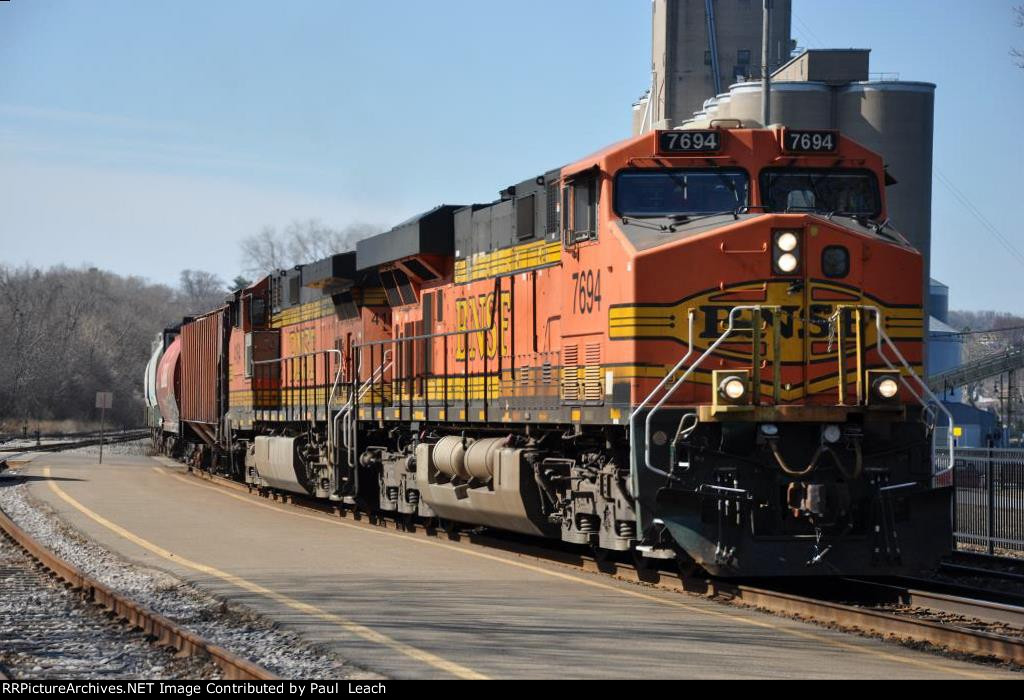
104 400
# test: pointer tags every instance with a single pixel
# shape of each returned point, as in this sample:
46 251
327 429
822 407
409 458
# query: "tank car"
703 345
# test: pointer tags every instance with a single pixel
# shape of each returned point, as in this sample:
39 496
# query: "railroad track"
903 611
89 441
984 566
159 629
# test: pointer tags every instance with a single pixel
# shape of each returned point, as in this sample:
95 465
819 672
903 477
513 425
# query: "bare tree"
201 291
264 252
1018 19
69 333
300 242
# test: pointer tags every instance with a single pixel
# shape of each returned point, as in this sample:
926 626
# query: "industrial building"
832 89
706 66
701 47
946 352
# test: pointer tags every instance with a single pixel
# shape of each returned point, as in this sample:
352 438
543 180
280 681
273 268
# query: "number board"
810 141
690 142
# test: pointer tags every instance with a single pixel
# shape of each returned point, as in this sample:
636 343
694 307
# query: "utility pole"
1010 396
766 71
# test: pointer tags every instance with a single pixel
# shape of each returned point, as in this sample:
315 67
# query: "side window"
257 312
584 209
526 217
248 356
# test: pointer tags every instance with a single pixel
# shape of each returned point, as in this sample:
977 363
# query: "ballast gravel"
49 632
230 626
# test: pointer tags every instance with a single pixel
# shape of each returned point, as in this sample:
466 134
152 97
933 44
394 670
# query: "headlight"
788 263
734 388
786 252
887 388
787 242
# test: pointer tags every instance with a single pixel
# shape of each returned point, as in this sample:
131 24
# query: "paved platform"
410 607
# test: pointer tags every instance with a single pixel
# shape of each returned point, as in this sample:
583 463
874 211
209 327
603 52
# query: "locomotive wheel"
641 562
602 557
448 527
689 569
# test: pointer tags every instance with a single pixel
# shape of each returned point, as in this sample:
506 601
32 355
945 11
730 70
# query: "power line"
962 198
817 42
965 201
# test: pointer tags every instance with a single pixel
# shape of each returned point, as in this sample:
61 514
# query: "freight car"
702 345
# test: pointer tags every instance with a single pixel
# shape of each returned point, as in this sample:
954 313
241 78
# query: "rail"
858 618
161 630
109 439
937 473
931 404
304 388
347 414
394 345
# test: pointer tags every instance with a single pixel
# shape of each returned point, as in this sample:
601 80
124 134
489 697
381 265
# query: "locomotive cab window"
584 193
839 192
655 194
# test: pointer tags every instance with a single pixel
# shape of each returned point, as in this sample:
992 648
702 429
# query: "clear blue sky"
125 125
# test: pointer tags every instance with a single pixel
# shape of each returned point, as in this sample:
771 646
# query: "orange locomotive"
701 345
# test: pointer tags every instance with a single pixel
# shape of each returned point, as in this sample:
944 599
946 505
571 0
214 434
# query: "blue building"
945 351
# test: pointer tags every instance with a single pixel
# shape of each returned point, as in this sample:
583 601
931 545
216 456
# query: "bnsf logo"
476 312
792 324
804 330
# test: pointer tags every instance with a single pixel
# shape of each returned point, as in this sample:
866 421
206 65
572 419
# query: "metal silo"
798 105
724 102
897 120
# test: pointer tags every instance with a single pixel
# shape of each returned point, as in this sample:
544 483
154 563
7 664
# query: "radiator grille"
592 374
570 373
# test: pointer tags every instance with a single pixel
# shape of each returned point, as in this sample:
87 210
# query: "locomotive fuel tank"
487 484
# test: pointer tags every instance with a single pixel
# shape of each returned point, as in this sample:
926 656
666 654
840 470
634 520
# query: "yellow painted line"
354 628
764 624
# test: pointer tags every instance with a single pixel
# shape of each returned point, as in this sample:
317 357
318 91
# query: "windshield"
826 191
662 193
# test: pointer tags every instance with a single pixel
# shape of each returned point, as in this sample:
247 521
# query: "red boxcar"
203 369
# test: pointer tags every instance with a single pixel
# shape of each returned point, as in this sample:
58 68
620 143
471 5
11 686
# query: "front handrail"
730 329
924 397
950 439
